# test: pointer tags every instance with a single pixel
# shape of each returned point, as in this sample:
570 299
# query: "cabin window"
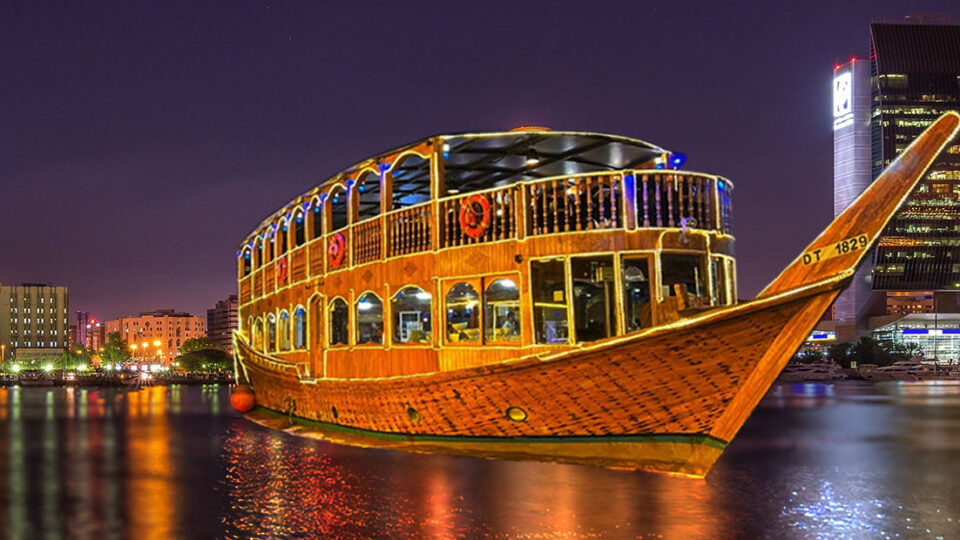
258 252
271 244
411 181
338 209
637 310
316 214
339 322
594 300
549 289
271 333
300 328
501 311
257 335
245 262
368 195
718 295
463 314
284 331
299 229
369 320
411 316
285 229
682 278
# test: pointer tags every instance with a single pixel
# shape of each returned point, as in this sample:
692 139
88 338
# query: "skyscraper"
33 321
221 322
915 77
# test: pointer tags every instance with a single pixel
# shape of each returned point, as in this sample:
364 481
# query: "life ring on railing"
475 215
282 269
336 250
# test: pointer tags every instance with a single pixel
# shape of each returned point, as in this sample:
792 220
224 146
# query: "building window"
501 311
300 328
284 331
339 330
463 314
411 316
369 320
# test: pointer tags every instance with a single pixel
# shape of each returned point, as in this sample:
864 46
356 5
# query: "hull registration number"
840 248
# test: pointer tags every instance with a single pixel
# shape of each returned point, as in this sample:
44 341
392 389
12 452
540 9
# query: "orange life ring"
282 269
475 215
336 250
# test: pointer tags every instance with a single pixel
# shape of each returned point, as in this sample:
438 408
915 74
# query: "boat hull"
668 400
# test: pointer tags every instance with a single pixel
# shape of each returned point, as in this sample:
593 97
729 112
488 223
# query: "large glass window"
284 331
501 311
682 276
411 316
549 289
271 332
637 310
463 314
300 328
594 304
369 320
339 322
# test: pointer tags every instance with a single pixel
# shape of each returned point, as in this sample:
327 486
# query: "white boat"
815 371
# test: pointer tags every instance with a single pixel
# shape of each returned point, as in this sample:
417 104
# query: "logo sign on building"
842 100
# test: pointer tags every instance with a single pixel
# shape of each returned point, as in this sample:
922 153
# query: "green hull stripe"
703 439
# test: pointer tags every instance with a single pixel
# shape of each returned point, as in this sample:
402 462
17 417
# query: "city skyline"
139 186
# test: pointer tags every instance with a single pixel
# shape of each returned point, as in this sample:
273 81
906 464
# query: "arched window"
257 335
463 314
300 328
284 331
271 333
257 252
339 330
271 244
411 316
299 229
245 262
412 172
316 223
282 237
368 192
338 208
369 320
501 311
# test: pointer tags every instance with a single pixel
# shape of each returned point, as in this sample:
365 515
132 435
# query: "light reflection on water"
845 460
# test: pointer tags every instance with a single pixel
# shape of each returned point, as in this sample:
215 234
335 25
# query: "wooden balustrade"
572 204
551 206
410 230
367 237
673 199
498 205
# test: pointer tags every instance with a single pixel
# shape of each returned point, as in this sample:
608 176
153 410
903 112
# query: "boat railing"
616 200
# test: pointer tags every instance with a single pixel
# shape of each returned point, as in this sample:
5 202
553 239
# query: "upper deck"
536 182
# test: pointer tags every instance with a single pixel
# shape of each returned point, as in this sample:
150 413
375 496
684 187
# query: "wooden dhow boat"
532 295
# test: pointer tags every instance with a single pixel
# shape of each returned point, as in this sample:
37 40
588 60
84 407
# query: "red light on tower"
853 58
836 66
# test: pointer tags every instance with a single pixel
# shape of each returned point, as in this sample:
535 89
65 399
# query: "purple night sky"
141 141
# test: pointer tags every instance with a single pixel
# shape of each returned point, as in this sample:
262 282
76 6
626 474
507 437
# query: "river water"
844 460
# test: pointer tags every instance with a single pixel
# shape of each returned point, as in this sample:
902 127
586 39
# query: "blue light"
361 188
316 209
916 331
952 331
677 160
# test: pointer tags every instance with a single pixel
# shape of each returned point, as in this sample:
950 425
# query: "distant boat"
814 371
914 369
533 295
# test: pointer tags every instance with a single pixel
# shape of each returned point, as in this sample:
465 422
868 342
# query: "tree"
194 345
116 350
74 357
206 360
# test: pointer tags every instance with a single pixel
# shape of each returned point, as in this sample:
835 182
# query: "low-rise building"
157 336
34 323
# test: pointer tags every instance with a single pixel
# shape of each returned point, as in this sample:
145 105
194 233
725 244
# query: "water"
848 460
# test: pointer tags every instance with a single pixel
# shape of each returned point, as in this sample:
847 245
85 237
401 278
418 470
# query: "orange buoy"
242 399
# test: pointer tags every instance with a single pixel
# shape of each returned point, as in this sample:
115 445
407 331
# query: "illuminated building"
915 78
96 334
33 321
221 322
851 171
157 335
83 319
934 336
